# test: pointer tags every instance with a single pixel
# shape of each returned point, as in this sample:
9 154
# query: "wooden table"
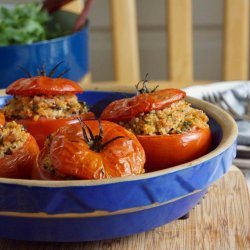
221 221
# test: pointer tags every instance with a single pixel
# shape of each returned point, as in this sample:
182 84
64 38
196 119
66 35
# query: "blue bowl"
87 210
71 49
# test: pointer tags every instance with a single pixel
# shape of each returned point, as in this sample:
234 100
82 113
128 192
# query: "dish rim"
228 138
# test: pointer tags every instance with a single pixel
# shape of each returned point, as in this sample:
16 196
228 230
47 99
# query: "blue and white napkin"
235 93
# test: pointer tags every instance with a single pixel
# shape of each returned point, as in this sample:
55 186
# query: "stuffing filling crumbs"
53 107
12 137
178 118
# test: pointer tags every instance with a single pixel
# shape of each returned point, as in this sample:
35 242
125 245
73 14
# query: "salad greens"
25 24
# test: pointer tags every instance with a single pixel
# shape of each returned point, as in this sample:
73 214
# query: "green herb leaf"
25 24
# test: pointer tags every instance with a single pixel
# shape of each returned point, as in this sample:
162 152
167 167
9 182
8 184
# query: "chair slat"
179 35
236 39
125 40
75 6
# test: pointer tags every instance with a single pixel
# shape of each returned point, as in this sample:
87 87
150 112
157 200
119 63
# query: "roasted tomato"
164 151
164 124
125 109
18 151
42 128
2 119
43 104
90 150
43 85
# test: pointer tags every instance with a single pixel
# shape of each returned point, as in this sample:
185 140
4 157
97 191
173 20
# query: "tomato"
43 127
2 119
161 151
39 172
43 85
127 108
112 152
164 151
19 164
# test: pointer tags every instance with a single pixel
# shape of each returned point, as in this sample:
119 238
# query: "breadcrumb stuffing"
178 118
53 107
12 137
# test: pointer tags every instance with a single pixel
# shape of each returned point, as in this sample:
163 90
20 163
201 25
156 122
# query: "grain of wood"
236 40
75 6
180 40
221 221
125 41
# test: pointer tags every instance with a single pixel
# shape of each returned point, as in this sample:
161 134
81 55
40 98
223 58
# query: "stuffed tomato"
43 104
169 129
90 150
18 151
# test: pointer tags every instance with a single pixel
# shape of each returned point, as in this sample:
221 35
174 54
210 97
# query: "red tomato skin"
43 127
164 151
19 164
2 119
39 173
112 161
72 158
43 85
127 108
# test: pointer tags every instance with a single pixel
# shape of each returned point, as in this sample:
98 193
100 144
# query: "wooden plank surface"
236 40
75 6
180 40
125 40
126 86
221 221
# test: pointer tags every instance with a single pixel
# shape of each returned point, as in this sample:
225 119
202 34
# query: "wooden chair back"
180 41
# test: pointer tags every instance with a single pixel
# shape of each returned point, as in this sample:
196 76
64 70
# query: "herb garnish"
144 88
26 24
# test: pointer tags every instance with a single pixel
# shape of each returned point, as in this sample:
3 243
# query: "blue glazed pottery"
71 49
87 210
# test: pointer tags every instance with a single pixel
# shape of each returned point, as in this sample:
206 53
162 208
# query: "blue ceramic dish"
90 210
71 49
